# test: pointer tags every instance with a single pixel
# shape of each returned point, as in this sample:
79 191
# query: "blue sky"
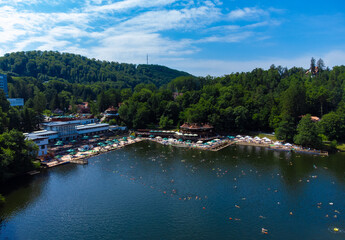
212 37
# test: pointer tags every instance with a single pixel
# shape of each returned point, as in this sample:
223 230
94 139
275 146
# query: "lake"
150 191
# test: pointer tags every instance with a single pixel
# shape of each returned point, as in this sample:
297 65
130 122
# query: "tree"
320 65
308 133
4 104
312 65
40 102
286 128
165 122
16 154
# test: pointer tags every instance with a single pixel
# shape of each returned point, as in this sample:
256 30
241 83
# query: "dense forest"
277 99
16 153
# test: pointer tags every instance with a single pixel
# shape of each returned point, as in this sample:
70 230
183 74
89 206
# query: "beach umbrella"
205 143
70 150
124 139
277 143
139 136
180 140
288 144
116 141
73 141
133 137
58 157
165 139
199 142
100 144
85 137
152 136
96 136
72 153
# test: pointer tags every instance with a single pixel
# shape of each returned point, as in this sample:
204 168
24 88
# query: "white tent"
288 144
199 142
277 143
238 136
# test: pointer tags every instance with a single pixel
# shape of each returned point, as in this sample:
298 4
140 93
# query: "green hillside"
47 65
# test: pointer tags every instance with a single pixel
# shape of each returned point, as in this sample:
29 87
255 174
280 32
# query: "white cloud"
126 5
127 30
247 14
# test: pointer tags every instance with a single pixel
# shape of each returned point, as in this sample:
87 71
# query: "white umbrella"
158 137
199 142
277 143
238 136
288 144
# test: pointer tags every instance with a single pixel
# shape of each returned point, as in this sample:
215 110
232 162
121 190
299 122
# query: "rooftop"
51 124
92 125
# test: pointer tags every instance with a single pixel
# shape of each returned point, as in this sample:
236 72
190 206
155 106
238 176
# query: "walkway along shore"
217 145
81 157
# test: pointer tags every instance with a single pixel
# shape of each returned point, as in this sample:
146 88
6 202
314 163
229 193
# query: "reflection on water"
161 192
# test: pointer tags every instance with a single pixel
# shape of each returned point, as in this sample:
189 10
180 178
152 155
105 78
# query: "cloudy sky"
211 37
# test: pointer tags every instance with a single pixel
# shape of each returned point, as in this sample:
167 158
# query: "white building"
51 135
65 130
93 128
42 143
69 130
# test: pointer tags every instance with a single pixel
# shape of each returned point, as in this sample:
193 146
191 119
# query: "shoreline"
81 157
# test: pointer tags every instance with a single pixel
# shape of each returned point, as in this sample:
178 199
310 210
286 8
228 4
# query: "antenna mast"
147 59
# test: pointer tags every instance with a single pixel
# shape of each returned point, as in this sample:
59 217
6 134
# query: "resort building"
77 120
42 143
111 112
93 128
16 102
65 130
13 101
193 132
202 130
3 84
68 130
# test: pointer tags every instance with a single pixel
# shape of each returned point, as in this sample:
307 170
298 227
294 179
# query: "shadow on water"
22 191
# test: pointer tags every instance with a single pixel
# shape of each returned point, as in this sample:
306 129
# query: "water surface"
149 191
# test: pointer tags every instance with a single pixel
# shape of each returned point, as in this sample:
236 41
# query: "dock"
221 146
81 161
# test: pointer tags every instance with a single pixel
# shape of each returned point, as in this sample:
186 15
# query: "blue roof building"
3 84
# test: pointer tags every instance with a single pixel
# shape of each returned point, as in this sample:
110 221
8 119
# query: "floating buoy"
336 229
203 208
291 213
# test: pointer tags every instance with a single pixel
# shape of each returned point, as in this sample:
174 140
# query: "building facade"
3 84
65 130
16 102
41 142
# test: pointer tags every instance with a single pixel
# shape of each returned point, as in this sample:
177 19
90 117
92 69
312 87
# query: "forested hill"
47 65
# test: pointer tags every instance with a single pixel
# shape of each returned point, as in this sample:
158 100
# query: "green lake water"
150 191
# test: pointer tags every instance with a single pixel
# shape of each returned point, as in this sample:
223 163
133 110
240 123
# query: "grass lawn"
341 147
